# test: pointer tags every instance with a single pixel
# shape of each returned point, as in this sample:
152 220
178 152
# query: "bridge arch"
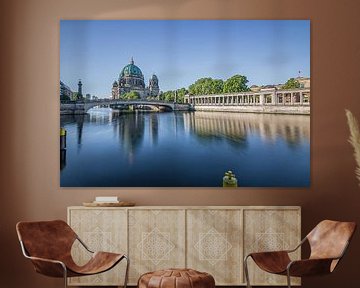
91 104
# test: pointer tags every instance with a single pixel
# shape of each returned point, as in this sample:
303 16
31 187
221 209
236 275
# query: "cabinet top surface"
192 207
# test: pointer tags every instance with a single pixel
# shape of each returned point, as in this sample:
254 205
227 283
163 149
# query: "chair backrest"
46 239
329 239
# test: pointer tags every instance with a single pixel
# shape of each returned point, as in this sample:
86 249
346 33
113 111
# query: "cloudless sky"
181 51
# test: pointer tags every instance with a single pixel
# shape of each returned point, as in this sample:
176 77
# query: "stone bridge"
84 106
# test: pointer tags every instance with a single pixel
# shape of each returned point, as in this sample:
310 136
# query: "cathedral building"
132 79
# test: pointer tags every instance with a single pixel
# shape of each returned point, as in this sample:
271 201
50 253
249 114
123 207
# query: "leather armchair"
328 243
48 245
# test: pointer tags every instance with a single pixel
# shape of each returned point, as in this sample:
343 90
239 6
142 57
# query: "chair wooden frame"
304 267
66 272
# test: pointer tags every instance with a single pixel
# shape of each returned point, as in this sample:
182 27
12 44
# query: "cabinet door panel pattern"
101 230
156 241
211 239
213 244
270 230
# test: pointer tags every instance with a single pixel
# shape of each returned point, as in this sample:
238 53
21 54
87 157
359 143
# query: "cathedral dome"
132 79
131 70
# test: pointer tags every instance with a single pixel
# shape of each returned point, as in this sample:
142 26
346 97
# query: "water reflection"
62 159
191 149
131 132
154 128
235 127
77 120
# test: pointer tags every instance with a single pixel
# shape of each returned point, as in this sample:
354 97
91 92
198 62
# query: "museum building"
132 79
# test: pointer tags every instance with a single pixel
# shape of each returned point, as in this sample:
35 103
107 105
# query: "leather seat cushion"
176 278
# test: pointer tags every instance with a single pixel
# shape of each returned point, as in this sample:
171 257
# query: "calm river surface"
185 149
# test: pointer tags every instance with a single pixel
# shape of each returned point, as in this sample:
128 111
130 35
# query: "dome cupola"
131 70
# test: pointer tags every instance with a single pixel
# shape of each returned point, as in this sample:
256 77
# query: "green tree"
132 95
236 83
206 86
202 86
64 97
181 95
291 84
192 89
161 95
217 86
169 96
76 96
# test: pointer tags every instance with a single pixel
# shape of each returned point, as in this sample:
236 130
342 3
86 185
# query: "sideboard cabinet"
211 239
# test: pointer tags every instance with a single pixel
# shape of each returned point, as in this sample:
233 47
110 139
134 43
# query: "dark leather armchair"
48 245
328 242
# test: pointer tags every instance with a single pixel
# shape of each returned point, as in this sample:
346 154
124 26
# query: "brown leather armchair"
48 245
328 242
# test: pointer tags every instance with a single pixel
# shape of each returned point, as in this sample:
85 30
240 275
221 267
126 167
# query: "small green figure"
229 179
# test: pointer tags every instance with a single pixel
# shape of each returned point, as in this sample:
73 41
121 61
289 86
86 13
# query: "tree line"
208 86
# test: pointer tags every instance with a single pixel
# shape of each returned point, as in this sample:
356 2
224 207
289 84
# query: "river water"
185 149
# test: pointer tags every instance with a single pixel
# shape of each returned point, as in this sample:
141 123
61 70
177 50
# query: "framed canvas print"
177 103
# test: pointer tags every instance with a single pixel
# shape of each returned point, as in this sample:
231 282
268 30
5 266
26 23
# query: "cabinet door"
214 244
271 230
101 230
156 240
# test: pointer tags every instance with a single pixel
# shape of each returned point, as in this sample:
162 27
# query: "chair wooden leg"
127 271
246 271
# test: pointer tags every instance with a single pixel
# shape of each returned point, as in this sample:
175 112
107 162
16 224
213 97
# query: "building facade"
304 82
65 92
131 79
266 96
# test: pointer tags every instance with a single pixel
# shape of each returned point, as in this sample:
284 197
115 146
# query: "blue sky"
181 51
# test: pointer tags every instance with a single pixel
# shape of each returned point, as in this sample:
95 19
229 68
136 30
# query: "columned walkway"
295 97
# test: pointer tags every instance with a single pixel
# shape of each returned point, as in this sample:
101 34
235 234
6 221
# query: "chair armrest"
281 251
298 246
48 267
268 253
309 267
84 245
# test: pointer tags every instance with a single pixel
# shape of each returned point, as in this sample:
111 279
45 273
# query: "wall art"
177 103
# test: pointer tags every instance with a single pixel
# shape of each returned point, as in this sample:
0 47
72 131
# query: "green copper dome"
131 70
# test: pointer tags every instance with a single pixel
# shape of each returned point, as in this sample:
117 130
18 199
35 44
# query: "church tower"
115 90
154 86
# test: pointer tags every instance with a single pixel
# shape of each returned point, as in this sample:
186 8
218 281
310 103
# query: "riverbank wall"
79 108
72 109
269 109
182 107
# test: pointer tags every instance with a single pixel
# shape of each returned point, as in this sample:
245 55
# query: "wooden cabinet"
214 243
271 229
101 230
211 239
156 240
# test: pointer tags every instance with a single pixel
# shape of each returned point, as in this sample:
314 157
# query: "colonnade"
273 97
